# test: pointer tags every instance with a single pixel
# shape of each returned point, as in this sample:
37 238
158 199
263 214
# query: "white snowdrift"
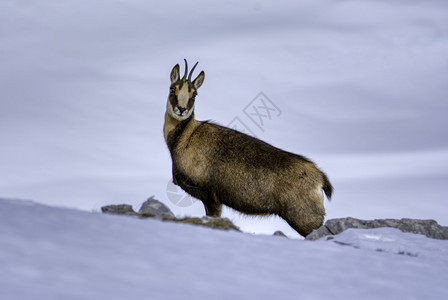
55 253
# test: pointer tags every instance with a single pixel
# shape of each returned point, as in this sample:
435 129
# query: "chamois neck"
171 123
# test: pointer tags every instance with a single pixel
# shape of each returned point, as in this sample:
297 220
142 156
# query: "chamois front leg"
213 208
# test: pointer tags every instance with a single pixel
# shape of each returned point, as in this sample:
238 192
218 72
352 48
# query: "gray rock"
318 233
121 209
279 233
429 228
155 208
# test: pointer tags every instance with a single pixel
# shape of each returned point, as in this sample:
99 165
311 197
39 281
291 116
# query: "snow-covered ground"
360 87
59 253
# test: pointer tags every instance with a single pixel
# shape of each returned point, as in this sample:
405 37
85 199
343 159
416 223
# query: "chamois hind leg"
306 215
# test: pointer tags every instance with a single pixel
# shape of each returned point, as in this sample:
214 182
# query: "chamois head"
180 104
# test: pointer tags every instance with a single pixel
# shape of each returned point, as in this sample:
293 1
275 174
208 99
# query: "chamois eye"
172 90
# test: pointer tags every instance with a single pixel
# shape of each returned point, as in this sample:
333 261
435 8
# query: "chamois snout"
179 110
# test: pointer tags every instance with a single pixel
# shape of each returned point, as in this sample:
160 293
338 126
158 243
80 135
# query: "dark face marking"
181 99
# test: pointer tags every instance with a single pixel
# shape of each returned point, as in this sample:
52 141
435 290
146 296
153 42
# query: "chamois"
219 165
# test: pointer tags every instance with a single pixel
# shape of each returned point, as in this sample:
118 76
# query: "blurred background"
359 87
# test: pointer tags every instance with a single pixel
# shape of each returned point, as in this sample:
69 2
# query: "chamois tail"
327 187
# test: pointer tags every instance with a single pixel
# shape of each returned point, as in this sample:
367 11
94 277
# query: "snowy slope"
56 253
360 88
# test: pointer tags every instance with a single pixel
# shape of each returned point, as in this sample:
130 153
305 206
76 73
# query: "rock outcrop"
153 208
121 209
429 228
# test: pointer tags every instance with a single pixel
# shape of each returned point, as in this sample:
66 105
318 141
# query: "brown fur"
219 165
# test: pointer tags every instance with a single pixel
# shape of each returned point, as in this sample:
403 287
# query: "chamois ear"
199 80
175 74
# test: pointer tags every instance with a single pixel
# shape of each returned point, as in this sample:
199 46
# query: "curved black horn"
191 72
186 69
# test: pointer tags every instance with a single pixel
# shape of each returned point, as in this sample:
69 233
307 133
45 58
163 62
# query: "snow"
59 253
361 87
